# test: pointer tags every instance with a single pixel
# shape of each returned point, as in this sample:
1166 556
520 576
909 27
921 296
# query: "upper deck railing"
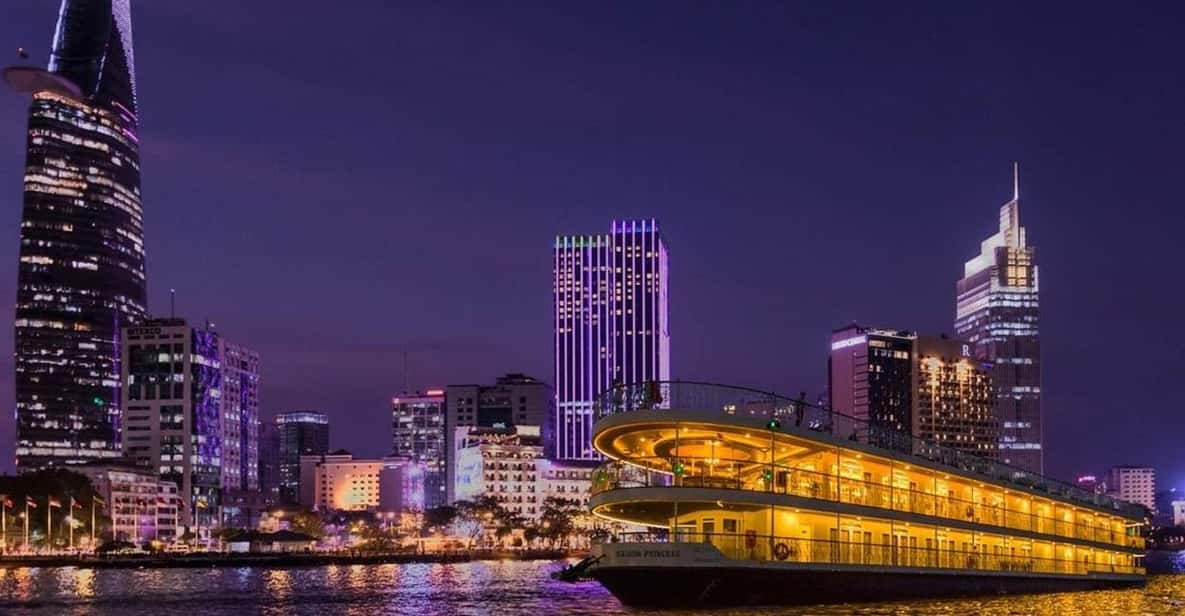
802 415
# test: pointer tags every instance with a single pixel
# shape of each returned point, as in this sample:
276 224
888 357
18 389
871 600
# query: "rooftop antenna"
172 303
405 370
1015 181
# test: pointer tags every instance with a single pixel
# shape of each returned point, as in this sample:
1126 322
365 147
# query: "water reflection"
486 588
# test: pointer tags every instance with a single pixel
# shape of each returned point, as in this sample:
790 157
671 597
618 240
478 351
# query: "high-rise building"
269 461
902 384
1134 484
512 401
298 433
81 277
240 418
997 313
611 322
172 379
417 434
870 378
953 397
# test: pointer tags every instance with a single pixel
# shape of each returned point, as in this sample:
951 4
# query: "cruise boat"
750 498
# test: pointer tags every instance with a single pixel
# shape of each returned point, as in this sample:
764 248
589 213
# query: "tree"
439 518
308 523
556 523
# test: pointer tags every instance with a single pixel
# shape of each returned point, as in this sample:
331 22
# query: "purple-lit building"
997 312
172 390
81 274
611 323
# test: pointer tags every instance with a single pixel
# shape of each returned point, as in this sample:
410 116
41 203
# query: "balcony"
899 496
766 548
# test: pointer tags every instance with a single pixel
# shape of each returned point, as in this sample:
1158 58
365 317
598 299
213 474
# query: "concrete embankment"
311 559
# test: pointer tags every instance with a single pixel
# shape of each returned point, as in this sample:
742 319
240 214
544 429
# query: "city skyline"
751 311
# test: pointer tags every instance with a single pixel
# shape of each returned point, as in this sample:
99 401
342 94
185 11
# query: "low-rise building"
142 506
341 482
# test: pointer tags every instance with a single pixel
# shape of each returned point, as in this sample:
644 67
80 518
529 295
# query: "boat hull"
727 586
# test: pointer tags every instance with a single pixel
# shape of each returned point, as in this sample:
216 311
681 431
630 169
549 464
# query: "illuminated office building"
869 372
997 312
240 418
904 385
417 434
81 276
611 323
172 376
953 397
299 433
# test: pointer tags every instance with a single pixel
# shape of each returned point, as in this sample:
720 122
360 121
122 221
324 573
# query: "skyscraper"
81 276
417 434
611 323
997 313
902 383
869 377
240 417
953 397
173 387
301 433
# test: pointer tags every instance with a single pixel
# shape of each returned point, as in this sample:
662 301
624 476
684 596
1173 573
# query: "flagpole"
26 523
4 525
94 546
71 522
49 522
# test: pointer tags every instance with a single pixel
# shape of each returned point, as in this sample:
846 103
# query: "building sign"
144 331
848 342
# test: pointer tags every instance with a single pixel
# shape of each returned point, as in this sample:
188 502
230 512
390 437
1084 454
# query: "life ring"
781 551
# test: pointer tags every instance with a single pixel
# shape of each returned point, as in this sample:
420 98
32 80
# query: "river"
493 588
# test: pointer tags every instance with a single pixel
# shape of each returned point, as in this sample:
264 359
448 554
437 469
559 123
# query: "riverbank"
288 559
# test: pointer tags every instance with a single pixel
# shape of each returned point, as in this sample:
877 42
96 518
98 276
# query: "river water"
481 588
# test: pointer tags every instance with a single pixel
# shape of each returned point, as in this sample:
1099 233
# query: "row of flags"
53 502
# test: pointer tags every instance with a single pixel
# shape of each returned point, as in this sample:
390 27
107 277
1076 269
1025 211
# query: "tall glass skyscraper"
997 312
612 324
301 433
81 275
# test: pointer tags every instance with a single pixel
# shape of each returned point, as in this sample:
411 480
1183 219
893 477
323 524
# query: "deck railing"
800 415
748 475
753 547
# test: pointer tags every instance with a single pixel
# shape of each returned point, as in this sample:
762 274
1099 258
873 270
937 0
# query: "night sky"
334 183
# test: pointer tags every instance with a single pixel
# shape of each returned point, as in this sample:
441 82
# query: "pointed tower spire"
1015 181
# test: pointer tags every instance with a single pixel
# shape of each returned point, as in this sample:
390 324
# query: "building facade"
240 418
611 323
341 482
269 461
142 506
172 379
1134 484
298 433
81 275
997 312
870 378
417 434
512 401
502 465
905 384
953 397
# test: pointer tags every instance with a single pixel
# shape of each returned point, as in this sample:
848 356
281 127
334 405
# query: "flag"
201 504
29 502
98 500
53 502
75 504
8 503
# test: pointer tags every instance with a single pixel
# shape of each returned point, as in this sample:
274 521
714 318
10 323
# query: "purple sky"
331 185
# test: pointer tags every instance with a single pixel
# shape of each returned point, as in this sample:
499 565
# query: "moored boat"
751 498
